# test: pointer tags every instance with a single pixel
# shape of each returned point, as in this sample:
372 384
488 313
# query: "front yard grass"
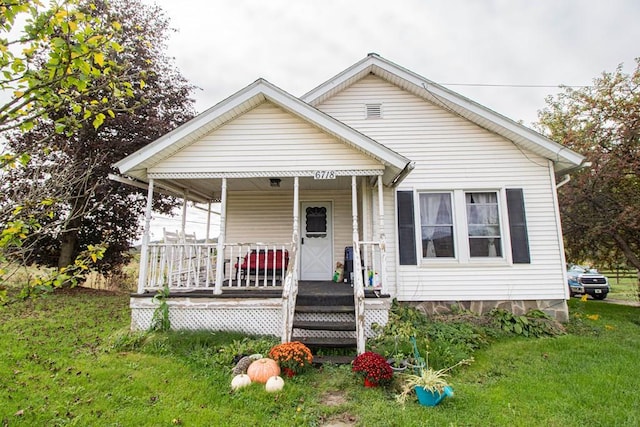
67 359
624 288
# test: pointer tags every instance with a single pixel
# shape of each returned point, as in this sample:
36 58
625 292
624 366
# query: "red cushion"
269 260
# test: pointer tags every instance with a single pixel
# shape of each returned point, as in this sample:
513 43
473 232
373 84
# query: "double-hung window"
463 226
483 224
436 219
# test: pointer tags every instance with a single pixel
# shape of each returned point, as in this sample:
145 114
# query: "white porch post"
208 221
221 239
358 284
144 252
296 218
184 212
382 238
289 290
366 206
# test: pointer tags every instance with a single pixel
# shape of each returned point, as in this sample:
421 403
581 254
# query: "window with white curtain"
458 226
436 220
483 224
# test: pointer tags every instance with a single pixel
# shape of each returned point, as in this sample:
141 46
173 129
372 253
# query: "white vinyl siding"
254 216
266 138
451 153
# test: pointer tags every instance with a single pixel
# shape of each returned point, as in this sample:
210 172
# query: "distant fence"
620 274
126 281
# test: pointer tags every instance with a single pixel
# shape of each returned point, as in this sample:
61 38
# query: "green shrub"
125 340
535 323
449 339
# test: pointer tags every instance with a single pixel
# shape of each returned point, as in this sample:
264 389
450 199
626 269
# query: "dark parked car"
587 281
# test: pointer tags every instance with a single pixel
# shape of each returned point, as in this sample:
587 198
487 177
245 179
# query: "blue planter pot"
429 398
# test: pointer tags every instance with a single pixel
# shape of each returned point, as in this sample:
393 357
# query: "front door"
316 241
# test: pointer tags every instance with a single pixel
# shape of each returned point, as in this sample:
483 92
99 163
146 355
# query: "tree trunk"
68 247
69 238
632 258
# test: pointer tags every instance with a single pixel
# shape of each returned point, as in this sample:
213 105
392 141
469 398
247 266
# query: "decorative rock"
242 365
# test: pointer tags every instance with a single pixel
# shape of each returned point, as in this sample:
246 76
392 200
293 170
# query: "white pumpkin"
239 381
274 384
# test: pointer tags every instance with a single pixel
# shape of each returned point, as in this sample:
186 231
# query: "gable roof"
136 164
564 159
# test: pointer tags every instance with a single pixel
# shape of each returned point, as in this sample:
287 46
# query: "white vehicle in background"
583 280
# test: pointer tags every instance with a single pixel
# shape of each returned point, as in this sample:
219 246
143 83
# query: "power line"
514 85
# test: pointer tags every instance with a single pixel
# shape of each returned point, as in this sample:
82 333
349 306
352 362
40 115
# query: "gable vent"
374 111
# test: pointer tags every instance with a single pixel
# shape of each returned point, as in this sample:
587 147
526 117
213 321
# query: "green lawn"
623 288
67 360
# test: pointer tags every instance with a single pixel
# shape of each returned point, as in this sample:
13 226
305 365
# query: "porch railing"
373 262
181 266
192 266
371 257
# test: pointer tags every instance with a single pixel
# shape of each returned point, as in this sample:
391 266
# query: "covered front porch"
274 244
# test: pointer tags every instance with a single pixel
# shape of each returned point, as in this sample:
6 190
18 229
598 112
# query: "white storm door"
316 241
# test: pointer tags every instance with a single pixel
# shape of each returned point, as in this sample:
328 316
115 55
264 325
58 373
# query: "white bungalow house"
434 199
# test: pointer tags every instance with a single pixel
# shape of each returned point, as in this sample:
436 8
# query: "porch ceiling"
211 187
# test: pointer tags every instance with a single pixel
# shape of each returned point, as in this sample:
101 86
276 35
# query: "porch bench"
262 262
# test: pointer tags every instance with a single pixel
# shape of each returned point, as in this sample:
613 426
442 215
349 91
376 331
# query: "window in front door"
316 222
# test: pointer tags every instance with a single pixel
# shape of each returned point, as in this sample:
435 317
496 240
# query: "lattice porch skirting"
256 316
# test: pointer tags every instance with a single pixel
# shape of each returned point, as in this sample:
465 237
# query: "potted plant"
430 385
293 357
398 361
373 367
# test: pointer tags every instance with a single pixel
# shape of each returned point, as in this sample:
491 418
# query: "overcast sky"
222 46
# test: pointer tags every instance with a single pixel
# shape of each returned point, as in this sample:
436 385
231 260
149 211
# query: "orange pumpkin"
263 369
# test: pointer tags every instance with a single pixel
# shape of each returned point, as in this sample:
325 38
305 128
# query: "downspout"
403 173
566 178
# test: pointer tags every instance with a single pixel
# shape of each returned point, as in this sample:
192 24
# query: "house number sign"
324 175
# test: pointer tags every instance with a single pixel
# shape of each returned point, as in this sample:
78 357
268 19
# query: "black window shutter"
518 226
406 229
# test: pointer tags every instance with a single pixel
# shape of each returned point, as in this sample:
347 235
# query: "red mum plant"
374 367
293 357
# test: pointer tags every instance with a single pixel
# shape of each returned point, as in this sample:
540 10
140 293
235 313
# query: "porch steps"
324 326
327 342
325 308
325 319
332 360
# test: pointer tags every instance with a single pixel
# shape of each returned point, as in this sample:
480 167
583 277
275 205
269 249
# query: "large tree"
51 55
88 207
600 206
